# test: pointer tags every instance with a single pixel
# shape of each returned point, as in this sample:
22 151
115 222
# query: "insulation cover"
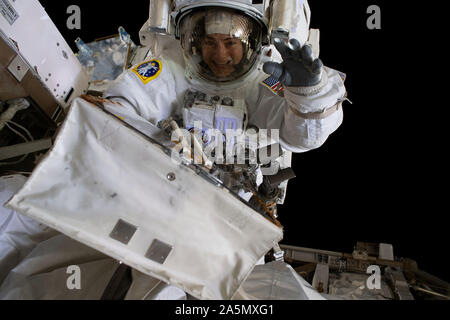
115 190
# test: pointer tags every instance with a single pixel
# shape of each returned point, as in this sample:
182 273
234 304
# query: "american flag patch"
274 85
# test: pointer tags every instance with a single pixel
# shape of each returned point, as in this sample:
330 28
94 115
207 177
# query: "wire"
24 129
7 124
29 134
151 290
417 288
16 132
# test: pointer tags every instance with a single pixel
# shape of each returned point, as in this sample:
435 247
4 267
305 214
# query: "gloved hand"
299 69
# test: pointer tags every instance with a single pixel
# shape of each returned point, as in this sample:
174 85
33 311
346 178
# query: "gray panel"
158 251
123 231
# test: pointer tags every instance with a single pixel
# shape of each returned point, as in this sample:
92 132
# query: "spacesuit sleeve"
143 101
310 116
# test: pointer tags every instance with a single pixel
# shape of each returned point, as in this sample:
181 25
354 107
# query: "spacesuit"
214 69
230 77
305 113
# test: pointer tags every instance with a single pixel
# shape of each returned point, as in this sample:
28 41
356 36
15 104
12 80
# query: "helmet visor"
220 44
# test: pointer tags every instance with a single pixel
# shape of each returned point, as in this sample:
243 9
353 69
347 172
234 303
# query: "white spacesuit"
207 63
305 116
227 56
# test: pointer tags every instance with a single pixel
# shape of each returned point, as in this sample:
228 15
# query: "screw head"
171 176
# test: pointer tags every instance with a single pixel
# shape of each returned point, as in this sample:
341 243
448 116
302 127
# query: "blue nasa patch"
147 71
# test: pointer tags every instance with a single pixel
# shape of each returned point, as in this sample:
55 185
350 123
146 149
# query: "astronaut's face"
220 44
222 53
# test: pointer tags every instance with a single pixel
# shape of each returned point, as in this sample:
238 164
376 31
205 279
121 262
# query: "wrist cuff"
308 91
318 115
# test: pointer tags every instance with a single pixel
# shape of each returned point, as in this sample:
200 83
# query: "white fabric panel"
43 274
145 287
18 233
276 281
9 185
100 171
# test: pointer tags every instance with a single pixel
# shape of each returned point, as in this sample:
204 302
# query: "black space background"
382 176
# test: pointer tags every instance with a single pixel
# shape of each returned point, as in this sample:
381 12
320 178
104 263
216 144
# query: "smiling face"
219 44
222 53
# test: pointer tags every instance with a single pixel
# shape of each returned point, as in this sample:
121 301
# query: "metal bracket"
18 68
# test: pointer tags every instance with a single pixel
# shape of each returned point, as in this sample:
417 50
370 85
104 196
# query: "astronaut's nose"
222 56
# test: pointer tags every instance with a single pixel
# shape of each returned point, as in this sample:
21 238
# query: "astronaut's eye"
232 42
209 42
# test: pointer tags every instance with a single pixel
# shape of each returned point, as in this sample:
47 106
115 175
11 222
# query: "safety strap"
318 115
119 284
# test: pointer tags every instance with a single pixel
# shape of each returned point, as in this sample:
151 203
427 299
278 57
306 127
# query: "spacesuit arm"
313 113
143 101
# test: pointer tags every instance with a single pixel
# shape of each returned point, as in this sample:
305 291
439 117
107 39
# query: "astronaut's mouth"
223 65
222 69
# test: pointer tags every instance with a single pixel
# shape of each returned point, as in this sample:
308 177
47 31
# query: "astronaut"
215 65
221 52
213 62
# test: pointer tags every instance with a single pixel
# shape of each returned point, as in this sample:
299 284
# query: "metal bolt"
171 176
227 101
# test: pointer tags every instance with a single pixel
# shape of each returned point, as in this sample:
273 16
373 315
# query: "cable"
16 132
417 288
151 290
7 124
24 129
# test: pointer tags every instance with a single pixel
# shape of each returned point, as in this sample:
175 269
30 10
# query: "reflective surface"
220 44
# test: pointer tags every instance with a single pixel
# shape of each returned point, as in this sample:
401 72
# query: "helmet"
220 44
247 25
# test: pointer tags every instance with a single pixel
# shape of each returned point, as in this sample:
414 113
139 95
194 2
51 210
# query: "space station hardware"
345 276
104 59
37 67
35 60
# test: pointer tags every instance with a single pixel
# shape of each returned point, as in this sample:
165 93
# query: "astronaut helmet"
222 40
220 43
